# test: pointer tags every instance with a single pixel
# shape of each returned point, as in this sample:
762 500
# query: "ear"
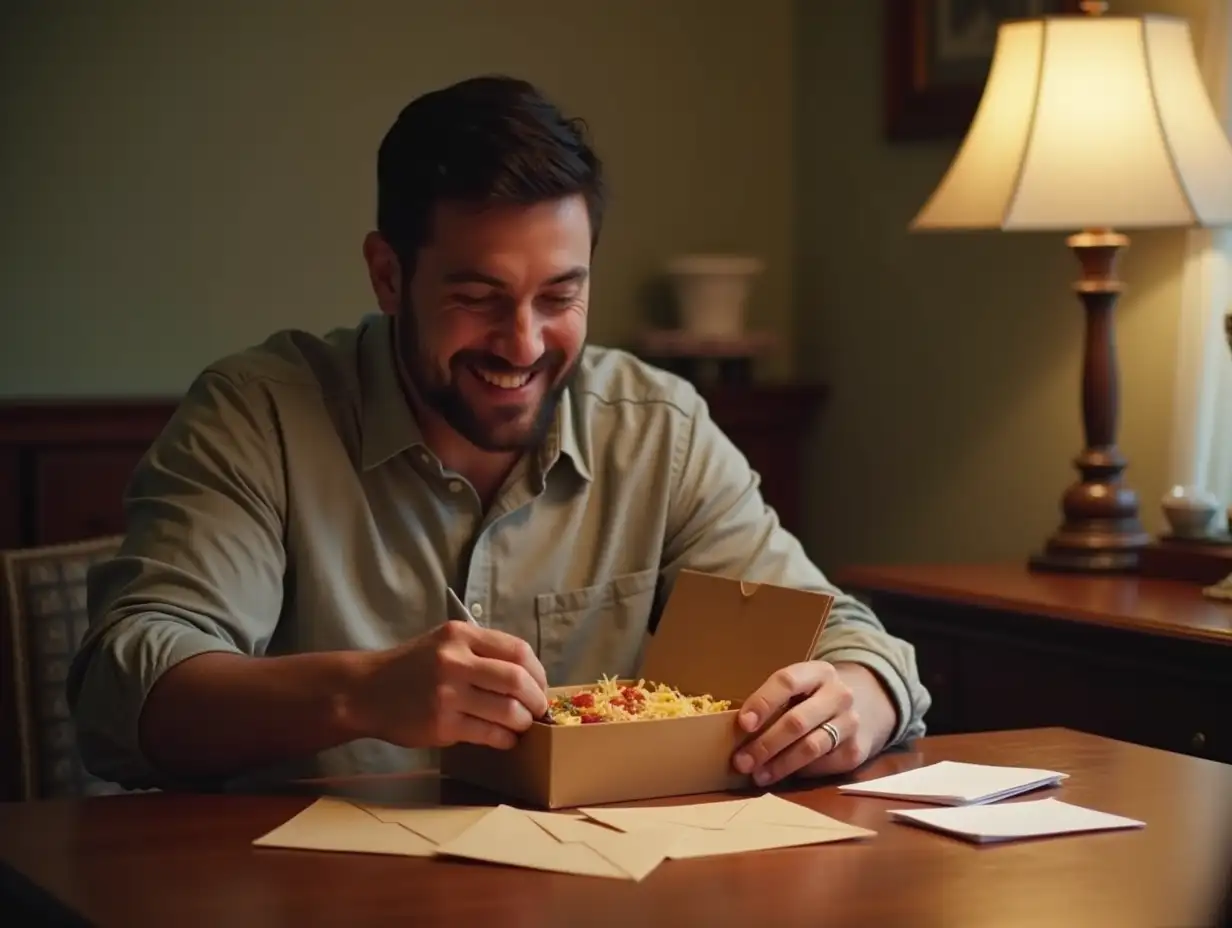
384 272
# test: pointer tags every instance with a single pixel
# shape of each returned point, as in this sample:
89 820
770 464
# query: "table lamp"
1091 124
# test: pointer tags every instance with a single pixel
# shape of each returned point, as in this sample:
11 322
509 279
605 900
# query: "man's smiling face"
493 319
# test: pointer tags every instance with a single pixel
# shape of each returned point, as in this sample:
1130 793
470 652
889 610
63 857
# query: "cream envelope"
332 824
559 841
563 843
709 829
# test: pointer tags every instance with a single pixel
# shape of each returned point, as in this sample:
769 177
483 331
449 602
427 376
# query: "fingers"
798 723
501 646
506 679
474 730
849 754
505 711
797 680
815 753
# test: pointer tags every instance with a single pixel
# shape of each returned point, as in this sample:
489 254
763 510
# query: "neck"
485 470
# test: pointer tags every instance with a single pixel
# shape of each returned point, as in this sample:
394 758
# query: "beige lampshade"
1089 121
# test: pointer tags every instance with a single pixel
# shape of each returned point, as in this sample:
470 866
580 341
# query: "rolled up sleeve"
721 524
200 569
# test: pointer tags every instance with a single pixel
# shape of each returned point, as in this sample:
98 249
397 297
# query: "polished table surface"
186 860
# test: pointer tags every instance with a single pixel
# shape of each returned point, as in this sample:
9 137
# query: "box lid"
723 637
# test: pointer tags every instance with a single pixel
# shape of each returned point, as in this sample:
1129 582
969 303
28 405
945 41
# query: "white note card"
1037 819
952 783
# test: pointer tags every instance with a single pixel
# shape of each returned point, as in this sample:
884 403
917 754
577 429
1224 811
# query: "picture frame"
937 54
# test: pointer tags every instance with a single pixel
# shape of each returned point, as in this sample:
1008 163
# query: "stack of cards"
1038 819
972 788
950 783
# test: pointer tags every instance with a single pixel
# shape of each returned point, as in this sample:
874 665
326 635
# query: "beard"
495 428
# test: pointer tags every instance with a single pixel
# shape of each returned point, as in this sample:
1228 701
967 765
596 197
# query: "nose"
519 340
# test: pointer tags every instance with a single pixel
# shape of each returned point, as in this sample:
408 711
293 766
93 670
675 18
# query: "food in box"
718 639
613 700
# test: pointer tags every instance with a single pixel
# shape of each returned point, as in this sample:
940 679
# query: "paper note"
1035 819
711 829
952 783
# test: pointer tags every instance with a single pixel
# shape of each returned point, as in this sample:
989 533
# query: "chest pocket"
596 630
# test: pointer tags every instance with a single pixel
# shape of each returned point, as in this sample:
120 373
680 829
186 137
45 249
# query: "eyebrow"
471 276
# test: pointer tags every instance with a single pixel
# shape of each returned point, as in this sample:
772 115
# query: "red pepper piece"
583 700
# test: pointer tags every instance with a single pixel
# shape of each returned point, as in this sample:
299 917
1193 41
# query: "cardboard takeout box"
718 637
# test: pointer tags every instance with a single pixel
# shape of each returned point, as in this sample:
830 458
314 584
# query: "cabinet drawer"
80 493
1013 686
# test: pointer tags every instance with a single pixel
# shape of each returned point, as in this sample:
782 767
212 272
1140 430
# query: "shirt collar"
389 426
569 436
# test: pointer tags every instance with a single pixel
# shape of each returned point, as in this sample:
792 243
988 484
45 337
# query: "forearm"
220 714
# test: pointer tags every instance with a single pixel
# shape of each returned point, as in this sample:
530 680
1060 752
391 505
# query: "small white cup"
1190 511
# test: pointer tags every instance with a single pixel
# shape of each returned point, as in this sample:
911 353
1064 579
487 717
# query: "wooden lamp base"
1101 532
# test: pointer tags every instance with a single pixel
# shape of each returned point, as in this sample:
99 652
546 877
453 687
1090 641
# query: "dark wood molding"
64 463
72 421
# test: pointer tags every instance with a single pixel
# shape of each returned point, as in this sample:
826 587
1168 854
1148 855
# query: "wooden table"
182 860
999 647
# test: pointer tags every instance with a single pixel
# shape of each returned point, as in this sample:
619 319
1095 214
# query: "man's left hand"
848 696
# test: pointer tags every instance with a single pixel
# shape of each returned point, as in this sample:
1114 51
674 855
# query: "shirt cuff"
891 679
108 705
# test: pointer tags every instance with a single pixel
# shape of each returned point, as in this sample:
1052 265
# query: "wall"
182 178
180 181
954 357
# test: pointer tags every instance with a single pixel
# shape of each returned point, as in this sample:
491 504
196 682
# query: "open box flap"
724 637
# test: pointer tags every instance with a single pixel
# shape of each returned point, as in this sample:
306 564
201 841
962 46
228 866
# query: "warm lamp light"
1088 124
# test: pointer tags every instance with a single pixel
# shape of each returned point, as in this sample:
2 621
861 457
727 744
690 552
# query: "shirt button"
476 610
455 486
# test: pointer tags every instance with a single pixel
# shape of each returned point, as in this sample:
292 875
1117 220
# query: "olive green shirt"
292 506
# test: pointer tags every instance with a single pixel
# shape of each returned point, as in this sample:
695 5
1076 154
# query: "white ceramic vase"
712 291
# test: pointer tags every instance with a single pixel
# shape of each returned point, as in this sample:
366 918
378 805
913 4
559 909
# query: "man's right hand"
458 682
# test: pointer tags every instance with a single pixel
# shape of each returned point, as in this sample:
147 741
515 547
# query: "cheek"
566 333
448 334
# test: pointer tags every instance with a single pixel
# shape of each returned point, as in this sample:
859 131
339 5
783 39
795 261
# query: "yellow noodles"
612 701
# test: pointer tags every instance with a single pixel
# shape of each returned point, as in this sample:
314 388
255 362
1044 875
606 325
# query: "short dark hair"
491 139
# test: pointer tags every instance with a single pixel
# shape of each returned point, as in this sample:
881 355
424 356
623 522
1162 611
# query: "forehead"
469 232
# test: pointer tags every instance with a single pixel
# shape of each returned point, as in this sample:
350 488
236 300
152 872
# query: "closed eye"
471 299
560 299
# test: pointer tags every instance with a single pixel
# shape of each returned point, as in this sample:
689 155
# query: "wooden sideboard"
64 463
1001 647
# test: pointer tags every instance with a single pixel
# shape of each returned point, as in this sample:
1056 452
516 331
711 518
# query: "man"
278 606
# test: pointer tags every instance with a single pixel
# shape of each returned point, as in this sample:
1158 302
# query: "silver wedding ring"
830 730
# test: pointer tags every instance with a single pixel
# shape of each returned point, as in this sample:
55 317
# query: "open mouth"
504 381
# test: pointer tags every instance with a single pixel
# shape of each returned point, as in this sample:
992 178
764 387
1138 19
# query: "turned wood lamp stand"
1100 531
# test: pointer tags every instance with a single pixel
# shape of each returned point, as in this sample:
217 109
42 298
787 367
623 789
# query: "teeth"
505 381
